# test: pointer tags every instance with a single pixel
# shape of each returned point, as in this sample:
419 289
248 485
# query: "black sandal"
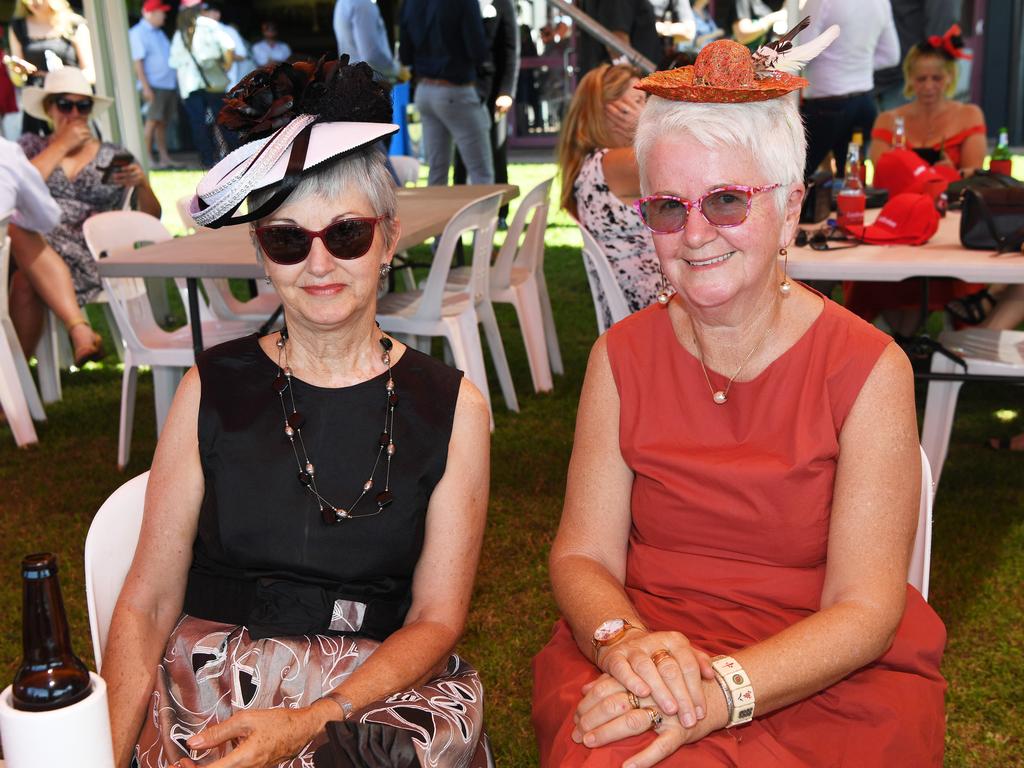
972 309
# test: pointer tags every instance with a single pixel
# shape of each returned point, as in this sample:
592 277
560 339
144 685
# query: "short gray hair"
364 172
770 130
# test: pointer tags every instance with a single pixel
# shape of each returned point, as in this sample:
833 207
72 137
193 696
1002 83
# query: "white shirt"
265 52
23 192
209 42
867 41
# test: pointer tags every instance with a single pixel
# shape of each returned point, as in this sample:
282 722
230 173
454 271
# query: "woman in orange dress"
732 559
948 134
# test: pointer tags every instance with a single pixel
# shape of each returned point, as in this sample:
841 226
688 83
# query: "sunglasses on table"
345 239
66 106
819 239
723 207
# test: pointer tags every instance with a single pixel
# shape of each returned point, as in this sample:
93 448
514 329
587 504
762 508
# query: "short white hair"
771 131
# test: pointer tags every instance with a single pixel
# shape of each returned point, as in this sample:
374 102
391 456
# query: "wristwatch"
611 631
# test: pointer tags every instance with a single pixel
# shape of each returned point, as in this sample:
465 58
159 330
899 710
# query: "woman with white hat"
317 500
74 164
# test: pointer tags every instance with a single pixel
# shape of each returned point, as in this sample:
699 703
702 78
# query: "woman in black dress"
317 499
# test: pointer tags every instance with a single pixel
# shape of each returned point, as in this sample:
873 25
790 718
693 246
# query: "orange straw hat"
726 72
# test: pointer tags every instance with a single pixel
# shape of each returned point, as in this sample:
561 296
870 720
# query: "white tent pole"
115 75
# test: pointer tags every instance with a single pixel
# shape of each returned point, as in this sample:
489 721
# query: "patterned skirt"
212 670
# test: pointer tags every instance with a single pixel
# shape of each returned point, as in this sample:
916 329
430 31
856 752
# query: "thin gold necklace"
721 396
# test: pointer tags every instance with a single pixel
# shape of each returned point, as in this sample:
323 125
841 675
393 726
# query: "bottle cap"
858 138
40 565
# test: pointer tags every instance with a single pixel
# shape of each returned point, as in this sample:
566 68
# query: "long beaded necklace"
294 422
721 396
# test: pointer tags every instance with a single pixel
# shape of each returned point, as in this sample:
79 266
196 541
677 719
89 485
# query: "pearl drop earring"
785 286
665 291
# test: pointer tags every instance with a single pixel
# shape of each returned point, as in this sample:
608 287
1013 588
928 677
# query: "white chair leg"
165 384
124 437
115 333
48 360
939 411
28 384
485 312
531 322
467 352
12 398
550 334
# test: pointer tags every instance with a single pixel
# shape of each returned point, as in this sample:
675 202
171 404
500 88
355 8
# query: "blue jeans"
202 108
455 113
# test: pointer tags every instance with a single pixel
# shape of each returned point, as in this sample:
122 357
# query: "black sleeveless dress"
280 606
33 50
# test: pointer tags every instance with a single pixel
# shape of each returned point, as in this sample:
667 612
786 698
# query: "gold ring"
634 702
656 717
660 655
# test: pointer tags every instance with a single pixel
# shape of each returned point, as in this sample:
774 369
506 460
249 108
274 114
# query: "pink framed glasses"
726 206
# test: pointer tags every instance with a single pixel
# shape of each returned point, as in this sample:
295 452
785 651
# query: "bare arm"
975 147
154 590
140 72
880 146
83 49
442 585
747 30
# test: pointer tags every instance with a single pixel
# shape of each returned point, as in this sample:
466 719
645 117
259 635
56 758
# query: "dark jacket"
500 73
443 39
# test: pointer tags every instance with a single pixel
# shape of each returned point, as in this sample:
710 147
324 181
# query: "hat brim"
678 85
327 141
33 98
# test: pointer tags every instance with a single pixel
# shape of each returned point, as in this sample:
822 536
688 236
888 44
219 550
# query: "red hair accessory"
950 44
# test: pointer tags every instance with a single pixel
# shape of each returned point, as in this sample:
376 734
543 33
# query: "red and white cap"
903 170
907 219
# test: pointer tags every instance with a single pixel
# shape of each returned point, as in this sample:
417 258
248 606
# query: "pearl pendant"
785 287
719 397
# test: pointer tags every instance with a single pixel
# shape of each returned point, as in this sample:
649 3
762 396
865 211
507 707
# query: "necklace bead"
720 397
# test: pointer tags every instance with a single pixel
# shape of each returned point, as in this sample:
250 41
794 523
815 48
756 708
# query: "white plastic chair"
406 168
517 278
222 303
986 352
167 353
19 398
454 315
921 557
109 549
602 281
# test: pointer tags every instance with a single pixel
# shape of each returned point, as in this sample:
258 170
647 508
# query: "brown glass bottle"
50 675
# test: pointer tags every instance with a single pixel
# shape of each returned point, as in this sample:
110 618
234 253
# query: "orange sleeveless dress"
730 507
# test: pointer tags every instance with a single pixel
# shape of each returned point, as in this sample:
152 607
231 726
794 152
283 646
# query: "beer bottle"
1002 160
50 676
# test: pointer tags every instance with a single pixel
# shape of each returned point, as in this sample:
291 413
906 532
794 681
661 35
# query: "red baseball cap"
907 219
152 6
903 170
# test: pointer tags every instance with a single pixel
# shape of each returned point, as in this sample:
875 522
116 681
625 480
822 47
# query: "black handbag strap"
1003 243
196 62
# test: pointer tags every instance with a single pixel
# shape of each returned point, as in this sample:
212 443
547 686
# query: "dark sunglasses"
345 239
819 239
65 106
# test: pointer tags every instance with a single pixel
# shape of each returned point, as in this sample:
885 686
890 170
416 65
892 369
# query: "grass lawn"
50 492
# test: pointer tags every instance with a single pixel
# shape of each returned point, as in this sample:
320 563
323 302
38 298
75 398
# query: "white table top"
229 252
942 256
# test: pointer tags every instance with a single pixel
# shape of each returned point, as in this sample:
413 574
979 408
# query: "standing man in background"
151 50
270 50
632 21
443 42
495 84
840 98
359 30
915 21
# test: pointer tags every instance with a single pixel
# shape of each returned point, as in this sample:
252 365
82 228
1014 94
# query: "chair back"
530 254
407 169
921 557
481 218
127 296
602 281
109 549
187 221
5 265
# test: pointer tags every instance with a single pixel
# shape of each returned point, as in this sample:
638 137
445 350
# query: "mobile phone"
118 161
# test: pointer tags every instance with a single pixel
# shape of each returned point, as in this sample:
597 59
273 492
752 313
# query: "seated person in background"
294 569
24 195
600 180
73 161
750 22
948 134
744 482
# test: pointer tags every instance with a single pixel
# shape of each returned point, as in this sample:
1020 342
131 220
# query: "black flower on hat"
332 89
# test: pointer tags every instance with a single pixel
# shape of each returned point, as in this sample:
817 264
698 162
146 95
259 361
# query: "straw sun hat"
66 80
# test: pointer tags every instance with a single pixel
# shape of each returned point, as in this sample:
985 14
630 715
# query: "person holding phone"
84 175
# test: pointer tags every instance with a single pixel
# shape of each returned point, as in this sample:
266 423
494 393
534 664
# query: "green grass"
50 492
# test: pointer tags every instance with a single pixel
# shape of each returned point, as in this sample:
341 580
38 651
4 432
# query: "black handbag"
993 219
980 179
817 198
